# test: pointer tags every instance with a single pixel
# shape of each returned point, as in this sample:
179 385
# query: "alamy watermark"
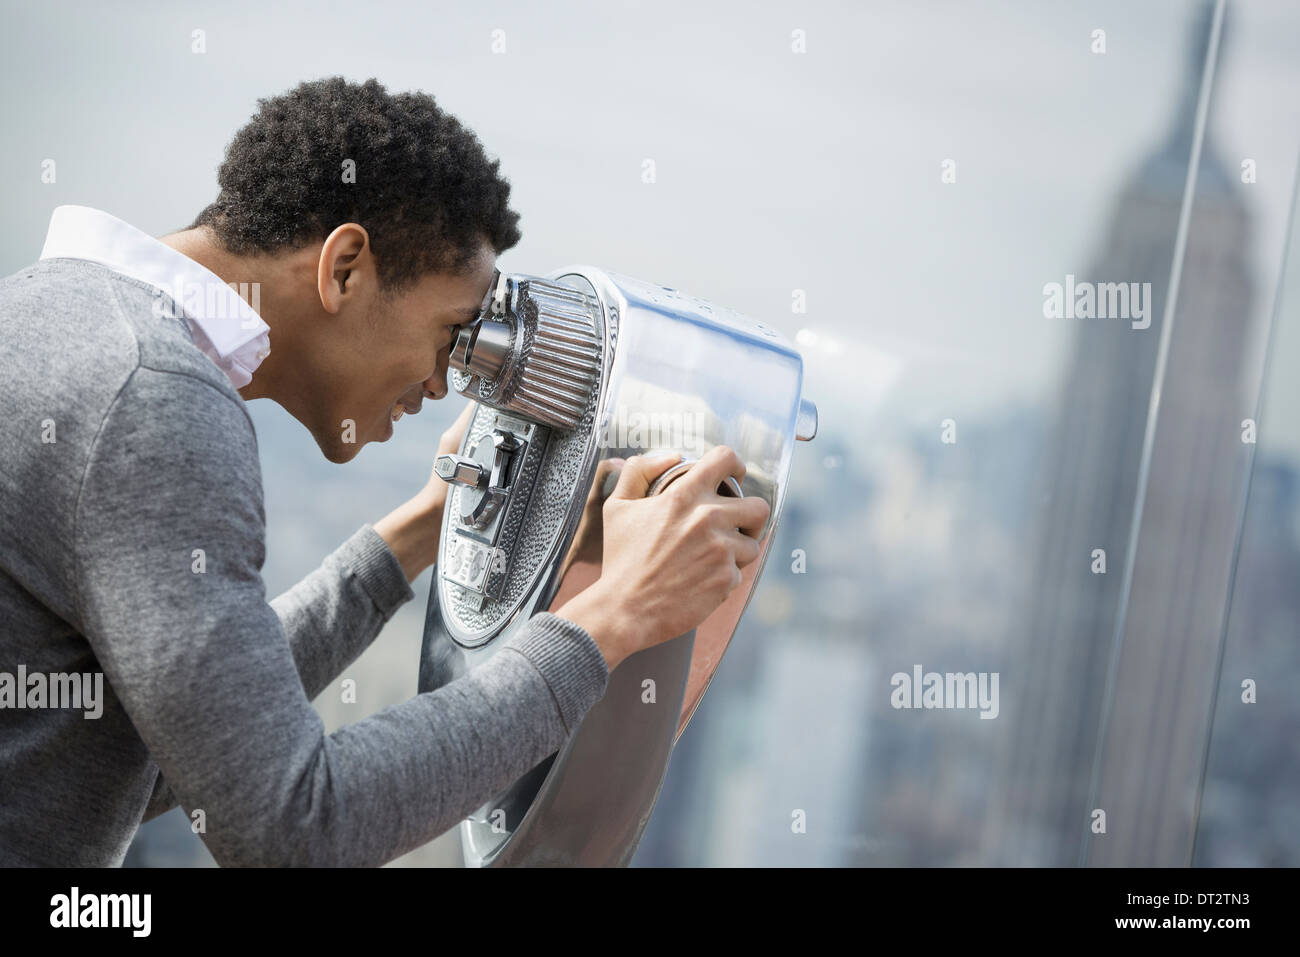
210 300
657 430
75 909
947 690
1106 300
57 689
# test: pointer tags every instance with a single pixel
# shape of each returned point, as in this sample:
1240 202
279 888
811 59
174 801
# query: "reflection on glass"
1250 804
980 556
1064 657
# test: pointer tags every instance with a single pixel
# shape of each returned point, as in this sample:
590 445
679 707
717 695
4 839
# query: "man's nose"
435 387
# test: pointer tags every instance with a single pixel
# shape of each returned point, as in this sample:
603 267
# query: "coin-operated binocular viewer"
569 371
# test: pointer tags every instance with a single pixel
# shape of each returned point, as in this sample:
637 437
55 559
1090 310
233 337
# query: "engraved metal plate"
467 563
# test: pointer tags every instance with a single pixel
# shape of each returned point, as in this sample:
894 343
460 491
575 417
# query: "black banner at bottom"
212 907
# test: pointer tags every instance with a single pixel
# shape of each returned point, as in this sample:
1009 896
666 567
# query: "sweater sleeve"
170 545
332 615
329 619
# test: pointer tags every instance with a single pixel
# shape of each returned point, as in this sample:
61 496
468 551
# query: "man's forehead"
487 286
468 288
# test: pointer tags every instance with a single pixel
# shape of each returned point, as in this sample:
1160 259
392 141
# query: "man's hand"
668 561
589 539
413 528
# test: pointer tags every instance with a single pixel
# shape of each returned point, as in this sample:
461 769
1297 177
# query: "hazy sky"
775 171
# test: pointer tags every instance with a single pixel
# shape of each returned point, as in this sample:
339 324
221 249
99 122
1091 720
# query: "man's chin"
339 454
338 451
344 447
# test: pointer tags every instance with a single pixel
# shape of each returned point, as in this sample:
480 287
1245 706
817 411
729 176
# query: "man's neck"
244 273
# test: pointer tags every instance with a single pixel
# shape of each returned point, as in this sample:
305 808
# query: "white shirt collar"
225 327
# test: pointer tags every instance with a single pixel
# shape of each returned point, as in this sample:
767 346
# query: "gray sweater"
131 545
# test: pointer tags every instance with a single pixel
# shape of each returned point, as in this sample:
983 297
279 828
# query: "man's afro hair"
424 188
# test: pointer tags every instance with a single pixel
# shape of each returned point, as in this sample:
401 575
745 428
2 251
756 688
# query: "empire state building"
1061 662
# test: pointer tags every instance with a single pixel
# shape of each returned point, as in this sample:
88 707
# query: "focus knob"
460 470
729 486
484 476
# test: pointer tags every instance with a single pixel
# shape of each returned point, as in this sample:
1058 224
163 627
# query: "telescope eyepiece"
482 348
534 351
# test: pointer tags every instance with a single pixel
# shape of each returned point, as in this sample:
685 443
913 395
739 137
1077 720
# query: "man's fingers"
710 471
746 514
602 486
639 471
745 548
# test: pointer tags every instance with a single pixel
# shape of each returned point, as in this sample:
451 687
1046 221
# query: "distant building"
1059 663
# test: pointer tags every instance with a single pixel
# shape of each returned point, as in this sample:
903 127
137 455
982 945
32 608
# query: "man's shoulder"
78 341
94 381
65 318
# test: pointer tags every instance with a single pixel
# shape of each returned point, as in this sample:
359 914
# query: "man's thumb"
640 470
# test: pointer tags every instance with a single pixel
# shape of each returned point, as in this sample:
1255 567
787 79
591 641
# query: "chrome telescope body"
569 371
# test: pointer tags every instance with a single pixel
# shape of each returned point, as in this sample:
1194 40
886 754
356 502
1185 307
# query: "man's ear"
346 264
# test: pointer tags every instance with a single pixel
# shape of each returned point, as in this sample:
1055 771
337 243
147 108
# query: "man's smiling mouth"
404 405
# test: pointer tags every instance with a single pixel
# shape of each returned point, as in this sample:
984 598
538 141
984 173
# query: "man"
363 227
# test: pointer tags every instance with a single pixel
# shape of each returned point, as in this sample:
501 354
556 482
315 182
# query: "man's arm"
329 618
201 664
